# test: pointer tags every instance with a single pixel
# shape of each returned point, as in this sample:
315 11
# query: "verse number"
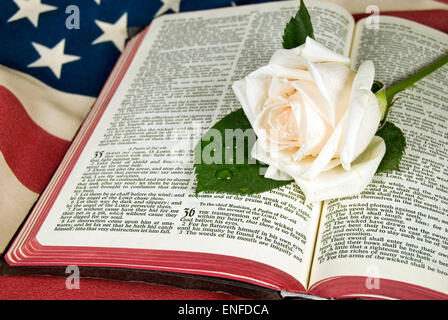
189 213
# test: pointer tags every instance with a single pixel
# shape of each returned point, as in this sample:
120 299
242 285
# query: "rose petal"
337 183
268 154
311 50
338 80
319 81
288 58
252 91
334 81
240 89
289 73
284 160
316 52
276 174
277 124
363 116
313 130
280 88
312 98
327 153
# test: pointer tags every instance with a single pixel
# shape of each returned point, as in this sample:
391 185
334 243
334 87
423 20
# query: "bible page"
134 185
398 227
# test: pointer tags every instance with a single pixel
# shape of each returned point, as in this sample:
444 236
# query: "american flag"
55 57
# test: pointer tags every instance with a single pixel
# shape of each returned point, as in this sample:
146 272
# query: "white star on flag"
116 32
52 58
98 2
167 5
30 9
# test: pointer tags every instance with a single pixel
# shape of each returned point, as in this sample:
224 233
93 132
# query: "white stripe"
57 112
14 198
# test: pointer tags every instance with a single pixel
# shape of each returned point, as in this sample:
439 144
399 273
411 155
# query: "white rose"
315 120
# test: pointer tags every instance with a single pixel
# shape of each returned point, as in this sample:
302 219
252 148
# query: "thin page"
134 185
397 228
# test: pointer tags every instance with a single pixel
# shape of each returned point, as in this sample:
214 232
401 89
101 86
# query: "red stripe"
436 19
31 152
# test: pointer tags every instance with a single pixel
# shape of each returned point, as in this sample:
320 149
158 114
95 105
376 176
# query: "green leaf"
241 174
298 28
395 145
304 16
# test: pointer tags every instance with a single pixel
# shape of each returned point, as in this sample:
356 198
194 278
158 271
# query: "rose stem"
393 90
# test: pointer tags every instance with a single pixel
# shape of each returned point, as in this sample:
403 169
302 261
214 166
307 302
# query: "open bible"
122 204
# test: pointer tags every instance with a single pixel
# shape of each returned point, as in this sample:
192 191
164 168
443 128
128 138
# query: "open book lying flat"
122 204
